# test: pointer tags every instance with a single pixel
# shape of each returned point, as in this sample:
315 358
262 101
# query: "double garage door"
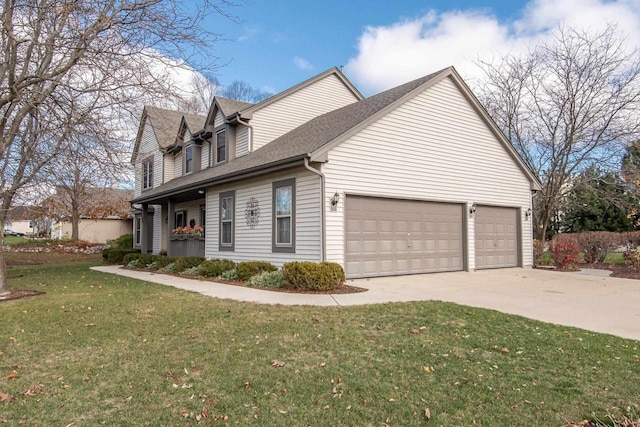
392 237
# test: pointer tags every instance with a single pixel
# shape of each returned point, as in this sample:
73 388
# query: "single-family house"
415 179
23 219
103 213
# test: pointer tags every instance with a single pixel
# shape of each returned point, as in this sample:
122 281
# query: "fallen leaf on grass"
89 325
505 350
277 363
11 375
323 364
33 390
415 331
6 397
427 369
427 414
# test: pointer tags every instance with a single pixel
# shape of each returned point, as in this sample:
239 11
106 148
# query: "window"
137 230
188 159
221 147
203 217
227 217
181 219
147 174
284 201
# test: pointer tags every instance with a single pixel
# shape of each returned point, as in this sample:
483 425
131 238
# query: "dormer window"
188 159
221 147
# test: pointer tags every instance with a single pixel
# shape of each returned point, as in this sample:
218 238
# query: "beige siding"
169 168
204 159
177 164
256 244
219 120
157 229
290 112
433 147
242 140
148 147
95 231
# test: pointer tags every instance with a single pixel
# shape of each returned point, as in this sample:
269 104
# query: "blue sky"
276 44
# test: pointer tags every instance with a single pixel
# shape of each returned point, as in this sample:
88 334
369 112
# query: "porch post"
147 227
171 224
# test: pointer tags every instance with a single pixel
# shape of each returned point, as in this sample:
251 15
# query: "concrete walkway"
597 303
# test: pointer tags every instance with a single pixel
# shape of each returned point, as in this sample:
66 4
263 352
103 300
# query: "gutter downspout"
250 142
323 252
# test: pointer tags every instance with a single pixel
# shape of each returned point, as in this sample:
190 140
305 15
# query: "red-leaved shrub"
565 250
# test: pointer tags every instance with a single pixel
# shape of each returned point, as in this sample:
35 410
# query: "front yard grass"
100 349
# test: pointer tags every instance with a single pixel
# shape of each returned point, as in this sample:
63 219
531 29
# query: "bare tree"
203 87
569 104
64 61
242 91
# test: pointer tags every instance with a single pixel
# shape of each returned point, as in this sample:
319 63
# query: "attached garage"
395 236
497 237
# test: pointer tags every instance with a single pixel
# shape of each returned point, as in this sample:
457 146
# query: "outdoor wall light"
335 199
200 191
527 214
472 209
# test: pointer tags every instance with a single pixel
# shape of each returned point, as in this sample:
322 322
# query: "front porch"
176 225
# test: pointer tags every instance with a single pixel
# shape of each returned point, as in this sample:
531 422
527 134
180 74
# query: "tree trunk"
75 217
3 267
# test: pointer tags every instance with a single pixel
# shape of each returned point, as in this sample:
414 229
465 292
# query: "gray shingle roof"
231 106
166 123
299 142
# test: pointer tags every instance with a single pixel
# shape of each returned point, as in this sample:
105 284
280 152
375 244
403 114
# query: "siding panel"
256 243
290 112
434 147
242 140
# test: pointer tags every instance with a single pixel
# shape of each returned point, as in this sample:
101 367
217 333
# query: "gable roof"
166 125
248 112
313 139
231 106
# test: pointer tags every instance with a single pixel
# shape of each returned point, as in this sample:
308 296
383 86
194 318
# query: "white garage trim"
498 236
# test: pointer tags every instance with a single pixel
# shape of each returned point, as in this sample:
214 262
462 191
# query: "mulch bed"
342 289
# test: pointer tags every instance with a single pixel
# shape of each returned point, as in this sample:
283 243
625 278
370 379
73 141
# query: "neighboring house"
23 219
416 179
104 214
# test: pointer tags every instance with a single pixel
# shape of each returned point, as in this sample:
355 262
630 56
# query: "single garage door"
496 231
391 237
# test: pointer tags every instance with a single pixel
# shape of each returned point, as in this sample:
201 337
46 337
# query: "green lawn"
105 350
15 240
614 258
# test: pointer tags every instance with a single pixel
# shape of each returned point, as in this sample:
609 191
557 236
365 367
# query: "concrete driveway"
600 304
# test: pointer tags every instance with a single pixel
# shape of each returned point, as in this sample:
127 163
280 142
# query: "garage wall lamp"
335 199
472 209
527 213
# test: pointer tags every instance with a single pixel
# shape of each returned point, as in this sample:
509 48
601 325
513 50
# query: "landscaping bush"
565 250
163 261
115 255
185 262
311 276
267 279
215 267
124 241
105 253
545 259
144 260
248 269
169 268
130 257
190 271
230 275
596 245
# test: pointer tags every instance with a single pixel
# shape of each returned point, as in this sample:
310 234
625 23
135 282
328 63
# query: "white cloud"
249 34
302 63
391 55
